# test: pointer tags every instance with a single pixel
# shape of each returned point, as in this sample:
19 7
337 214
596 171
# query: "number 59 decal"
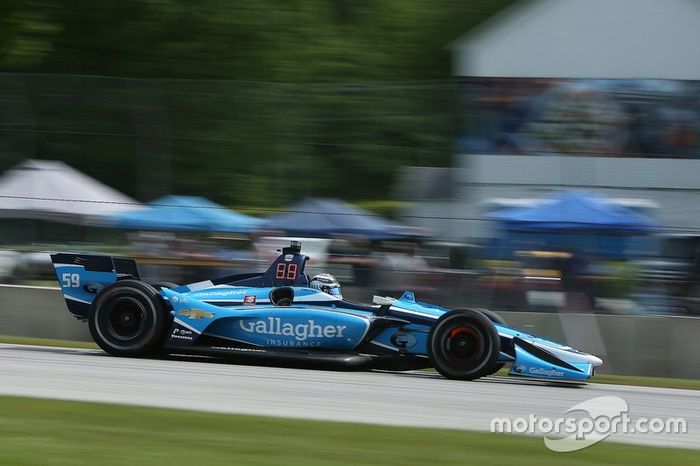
70 280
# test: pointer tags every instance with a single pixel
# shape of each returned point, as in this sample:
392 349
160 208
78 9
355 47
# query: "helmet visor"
335 291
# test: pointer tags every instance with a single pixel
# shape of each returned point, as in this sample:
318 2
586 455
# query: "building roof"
608 39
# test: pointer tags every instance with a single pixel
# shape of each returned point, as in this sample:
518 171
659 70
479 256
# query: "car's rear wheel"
464 345
128 318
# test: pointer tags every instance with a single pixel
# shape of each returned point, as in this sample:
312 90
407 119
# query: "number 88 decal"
286 271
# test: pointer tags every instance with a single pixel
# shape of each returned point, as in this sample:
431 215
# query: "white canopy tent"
53 190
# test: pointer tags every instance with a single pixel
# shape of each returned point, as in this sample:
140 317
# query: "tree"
254 103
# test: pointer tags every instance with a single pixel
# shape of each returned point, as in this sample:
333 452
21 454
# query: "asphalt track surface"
418 398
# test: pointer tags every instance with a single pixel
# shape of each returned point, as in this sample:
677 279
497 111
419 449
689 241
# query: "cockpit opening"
282 296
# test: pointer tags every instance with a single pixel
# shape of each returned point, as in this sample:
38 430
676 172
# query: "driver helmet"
326 283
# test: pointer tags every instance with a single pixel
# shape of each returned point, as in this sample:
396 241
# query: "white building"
581 40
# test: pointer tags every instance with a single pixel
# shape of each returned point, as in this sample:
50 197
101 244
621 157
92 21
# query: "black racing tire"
493 316
496 319
128 318
464 345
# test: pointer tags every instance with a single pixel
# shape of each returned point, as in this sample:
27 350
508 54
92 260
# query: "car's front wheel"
128 318
496 319
464 345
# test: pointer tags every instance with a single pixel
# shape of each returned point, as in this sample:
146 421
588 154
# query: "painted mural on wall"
631 118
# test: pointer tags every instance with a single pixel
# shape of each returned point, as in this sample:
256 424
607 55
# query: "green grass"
46 342
664 382
386 208
47 432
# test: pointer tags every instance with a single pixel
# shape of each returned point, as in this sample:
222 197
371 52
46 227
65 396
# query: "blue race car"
280 317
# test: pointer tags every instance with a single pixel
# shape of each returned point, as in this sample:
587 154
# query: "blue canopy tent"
184 213
573 210
573 219
316 217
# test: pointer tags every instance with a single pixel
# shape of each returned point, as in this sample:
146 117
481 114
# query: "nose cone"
595 360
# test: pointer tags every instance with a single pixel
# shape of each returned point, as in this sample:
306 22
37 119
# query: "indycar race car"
278 317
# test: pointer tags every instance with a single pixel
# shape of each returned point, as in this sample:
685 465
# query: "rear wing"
82 276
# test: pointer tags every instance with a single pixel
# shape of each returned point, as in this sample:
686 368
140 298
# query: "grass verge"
46 342
39 432
662 382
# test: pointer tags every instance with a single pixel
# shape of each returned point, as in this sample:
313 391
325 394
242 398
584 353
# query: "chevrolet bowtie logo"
195 314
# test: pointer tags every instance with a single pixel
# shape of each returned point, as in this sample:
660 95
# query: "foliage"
619 280
253 103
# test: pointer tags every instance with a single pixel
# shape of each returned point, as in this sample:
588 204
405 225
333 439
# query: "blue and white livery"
276 316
